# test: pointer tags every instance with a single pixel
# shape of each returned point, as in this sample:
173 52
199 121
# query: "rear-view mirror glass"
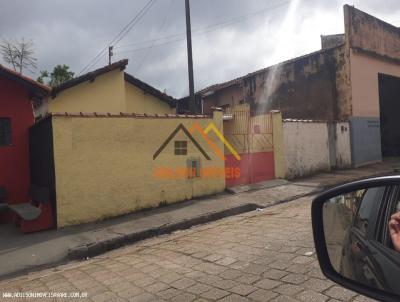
362 236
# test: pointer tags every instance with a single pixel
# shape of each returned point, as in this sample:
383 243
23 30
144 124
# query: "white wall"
343 148
306 146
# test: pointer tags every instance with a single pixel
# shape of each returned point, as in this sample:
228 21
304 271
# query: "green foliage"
59 75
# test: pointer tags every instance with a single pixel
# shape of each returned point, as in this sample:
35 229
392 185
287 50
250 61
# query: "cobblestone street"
263 255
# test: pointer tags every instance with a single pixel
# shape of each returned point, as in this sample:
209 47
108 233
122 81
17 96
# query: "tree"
59 75
19 54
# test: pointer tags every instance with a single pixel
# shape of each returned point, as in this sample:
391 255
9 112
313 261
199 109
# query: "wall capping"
122 114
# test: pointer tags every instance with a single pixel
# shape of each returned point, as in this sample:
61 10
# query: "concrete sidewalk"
21 253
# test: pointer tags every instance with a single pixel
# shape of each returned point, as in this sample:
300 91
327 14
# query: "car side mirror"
356 230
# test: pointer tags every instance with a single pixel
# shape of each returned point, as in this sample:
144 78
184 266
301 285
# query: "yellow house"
110 90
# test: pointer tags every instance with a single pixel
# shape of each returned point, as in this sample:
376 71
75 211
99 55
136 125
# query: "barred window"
180 147
5 131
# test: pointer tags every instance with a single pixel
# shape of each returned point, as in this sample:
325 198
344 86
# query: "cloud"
251 34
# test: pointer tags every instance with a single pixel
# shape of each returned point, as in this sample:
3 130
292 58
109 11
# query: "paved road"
258 256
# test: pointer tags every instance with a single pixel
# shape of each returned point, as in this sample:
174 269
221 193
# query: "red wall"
254 167
14 159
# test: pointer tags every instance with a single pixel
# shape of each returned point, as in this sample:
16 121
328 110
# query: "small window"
193 166
180 147
5 131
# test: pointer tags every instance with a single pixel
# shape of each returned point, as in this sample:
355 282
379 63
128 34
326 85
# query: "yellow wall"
104 166
140 102
108 93
105 94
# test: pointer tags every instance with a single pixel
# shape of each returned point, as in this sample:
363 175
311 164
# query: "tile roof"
150 90
90 76
239 80
28 82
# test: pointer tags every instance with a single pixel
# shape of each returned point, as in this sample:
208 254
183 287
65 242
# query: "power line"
145 10
159 31
208 28
205 30
147 47
120 35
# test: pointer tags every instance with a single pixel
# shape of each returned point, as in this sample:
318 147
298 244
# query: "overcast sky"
230 37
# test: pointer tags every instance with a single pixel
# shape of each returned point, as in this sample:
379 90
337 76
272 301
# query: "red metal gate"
250 134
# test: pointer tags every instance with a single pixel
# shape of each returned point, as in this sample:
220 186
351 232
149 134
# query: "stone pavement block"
198 288
214 294
231 274
169 277
234 298
262 295
316 273
284 299
267 284
213 257
183 283
209 279
157 287
279 264
226 261
95 290
225 284
248 278
295 278
243 289
340 293
303 260
210 268
194 275
144 281
184 297
317 284
312 296
144 297
130 292
169 293
254 269
274 274
120 286
288 289
105 297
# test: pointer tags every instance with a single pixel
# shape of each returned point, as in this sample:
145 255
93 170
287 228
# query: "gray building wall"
365 138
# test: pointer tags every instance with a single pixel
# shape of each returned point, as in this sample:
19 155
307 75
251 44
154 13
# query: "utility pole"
110 54
192 106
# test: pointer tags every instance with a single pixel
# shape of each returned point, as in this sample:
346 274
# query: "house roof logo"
204 134
188 134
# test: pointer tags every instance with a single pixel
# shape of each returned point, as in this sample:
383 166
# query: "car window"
371 199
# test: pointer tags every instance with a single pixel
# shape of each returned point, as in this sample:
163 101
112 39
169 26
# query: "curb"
95 249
